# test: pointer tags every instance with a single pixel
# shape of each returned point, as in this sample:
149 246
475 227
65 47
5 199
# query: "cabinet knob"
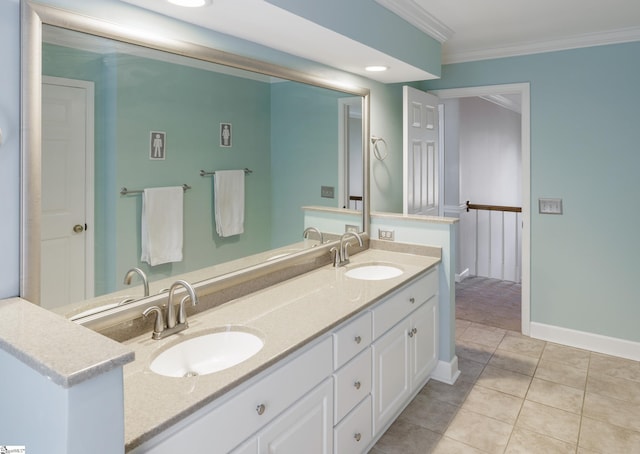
412 300
414 330
358 339
357 385
357 436
260 409
78 228
411 333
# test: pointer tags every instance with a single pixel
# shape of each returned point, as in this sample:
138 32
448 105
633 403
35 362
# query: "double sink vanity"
322 362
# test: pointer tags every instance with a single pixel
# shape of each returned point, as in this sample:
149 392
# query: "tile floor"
522 395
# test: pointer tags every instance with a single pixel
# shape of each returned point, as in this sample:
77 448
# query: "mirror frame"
33 16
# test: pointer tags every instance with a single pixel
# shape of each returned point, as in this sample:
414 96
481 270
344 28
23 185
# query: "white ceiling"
469 29
478 30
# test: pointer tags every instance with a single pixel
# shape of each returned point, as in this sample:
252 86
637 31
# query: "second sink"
207 353
373 272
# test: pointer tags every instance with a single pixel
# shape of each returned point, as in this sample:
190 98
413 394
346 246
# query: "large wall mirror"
96 96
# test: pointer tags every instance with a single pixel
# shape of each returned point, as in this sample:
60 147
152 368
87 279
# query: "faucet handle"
336 255
182 312
158 326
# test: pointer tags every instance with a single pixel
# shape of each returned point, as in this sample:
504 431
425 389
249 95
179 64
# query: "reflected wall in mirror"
286 132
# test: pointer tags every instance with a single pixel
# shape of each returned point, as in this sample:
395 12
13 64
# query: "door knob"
78 228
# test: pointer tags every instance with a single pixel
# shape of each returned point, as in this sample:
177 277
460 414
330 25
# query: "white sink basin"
207 354
373 272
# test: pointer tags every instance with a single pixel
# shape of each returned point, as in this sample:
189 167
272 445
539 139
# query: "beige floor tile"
505 381
484 335
515 362
431 414
526 442
481 432
561 373
549 421
602 437
469 370
406 438
620 413
523 345
617 388
495 404
461 326
570 356
556 395
453 394
450 446
614 367
474 351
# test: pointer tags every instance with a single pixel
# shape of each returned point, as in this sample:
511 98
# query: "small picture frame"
225 135
157 145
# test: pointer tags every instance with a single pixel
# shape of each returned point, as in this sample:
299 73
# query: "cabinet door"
391 374
424 342
306 427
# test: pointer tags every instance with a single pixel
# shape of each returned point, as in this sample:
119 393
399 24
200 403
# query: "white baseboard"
462 276
588 341
446 372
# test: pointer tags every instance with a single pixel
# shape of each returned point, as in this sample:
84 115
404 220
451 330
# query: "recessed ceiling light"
376 68
190 3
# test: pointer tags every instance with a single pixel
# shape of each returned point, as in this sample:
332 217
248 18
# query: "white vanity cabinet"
406 354
239 417
352 378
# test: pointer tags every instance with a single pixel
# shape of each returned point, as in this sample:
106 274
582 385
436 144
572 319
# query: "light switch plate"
550 206
327 192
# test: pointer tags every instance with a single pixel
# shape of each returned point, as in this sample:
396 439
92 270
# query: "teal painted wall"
304 135
135 96
584 149
10 147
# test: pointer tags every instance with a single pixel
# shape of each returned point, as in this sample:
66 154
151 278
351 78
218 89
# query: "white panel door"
420 152
67 111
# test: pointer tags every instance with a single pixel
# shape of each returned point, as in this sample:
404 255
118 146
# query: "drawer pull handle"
260 409
357 385
358 339
412 300
357 436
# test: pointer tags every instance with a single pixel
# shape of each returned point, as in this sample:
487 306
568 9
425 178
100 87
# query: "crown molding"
419 18
574 42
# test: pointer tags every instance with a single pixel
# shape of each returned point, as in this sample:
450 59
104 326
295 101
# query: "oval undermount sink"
207 354
373 272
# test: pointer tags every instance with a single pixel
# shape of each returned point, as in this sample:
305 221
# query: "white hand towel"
228 200
162 213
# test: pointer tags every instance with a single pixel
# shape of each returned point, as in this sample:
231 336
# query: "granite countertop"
29 333
286 316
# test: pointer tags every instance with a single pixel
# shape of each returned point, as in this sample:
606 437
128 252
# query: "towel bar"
125 191
203 173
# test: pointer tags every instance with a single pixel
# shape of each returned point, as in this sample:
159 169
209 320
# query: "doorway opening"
485 170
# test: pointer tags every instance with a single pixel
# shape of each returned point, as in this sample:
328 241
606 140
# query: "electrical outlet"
388 235
550 206
351 228
326 192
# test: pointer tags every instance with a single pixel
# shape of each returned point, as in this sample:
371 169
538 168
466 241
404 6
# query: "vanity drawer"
225 425
400 304
353 435
353 383
351 339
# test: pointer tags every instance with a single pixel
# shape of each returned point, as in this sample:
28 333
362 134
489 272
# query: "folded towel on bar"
228 200
162 213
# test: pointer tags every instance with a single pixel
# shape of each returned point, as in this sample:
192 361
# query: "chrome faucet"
139 272
342 254
308 230
172 322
